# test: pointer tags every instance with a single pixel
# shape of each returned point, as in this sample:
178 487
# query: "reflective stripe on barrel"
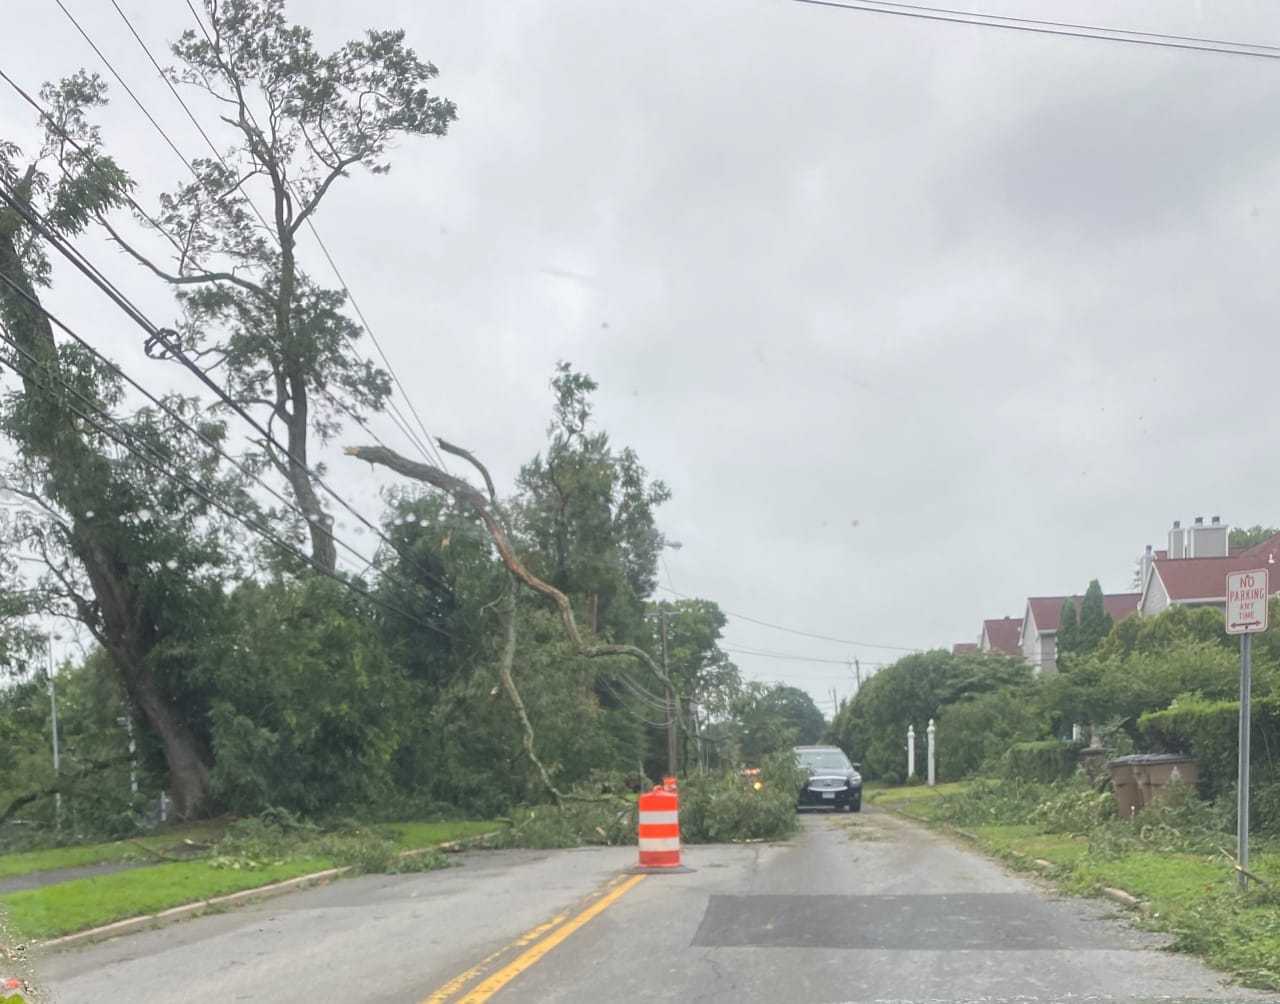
659 832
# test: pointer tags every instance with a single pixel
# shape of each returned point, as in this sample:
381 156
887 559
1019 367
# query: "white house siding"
1030 639
1048 653
1156 599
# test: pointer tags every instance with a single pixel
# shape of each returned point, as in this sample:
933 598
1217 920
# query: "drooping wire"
795 631
178 417
161 338
164 469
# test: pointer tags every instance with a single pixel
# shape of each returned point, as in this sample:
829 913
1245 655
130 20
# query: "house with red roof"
1038 639
963 648
1193 571
1000 634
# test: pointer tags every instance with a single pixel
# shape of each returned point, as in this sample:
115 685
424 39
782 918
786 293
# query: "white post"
911 751
932 760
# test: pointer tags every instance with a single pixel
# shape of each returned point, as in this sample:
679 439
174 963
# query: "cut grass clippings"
1193 897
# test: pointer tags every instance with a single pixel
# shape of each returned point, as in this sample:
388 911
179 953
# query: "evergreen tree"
1068 628
1095 622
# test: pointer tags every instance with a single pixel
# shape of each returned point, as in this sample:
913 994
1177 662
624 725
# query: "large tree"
298 121
128 550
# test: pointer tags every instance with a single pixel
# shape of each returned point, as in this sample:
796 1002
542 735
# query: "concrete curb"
173 915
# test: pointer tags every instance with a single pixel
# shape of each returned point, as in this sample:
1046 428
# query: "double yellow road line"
540 940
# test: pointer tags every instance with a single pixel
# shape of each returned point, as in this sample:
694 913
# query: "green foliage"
587 515
975 732
1075 808
720 807
1209 731
308 706
608 822
1095 622
872 728
772 718
1042 760
1243 538
1068 637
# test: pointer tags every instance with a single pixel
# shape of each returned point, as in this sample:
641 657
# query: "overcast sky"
915 319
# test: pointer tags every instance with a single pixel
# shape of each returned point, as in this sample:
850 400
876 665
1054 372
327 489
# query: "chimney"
1216 520
1177 537
1147 558
1207 541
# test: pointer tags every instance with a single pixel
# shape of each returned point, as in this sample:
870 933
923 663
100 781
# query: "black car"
833 780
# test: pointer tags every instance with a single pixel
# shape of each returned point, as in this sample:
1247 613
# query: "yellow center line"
530 956
463 978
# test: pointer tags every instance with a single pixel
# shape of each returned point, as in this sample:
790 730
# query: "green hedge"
1209 731
1045 760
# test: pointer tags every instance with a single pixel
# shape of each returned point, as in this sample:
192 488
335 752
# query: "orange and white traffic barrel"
659 834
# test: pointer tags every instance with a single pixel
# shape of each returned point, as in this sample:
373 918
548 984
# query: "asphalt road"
857 908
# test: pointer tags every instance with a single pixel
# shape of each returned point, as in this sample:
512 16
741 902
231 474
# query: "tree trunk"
323 551
124 624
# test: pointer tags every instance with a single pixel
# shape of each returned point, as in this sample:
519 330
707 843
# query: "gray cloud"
995 298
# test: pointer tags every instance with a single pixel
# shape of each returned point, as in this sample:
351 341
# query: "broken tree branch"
489 514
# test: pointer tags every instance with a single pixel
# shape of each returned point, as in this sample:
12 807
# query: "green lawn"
84 903
119 850
77 905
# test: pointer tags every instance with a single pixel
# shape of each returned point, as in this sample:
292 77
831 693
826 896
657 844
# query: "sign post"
1247 594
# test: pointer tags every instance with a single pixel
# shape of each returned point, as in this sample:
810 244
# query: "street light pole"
671 698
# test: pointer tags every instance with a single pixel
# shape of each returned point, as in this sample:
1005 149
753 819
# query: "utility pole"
671 698
835 704
53 717
857 668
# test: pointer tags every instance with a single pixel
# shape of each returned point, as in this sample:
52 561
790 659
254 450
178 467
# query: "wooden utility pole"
671 699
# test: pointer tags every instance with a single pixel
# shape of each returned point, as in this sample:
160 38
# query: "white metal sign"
1247 602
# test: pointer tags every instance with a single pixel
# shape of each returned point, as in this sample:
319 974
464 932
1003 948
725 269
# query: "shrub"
1209 731
722 807
1045 761
1076 808
600 821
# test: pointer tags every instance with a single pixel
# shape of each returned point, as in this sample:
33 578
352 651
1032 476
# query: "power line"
435 456
1061 28
796 631
80 148
196 490
176 416
160 337
795 656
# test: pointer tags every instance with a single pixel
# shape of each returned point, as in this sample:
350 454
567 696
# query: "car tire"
855 806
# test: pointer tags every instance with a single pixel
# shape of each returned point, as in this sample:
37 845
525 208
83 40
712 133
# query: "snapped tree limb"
488 511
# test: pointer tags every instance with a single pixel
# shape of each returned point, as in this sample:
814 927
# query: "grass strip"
76 905
78 855
83 903
1192 897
